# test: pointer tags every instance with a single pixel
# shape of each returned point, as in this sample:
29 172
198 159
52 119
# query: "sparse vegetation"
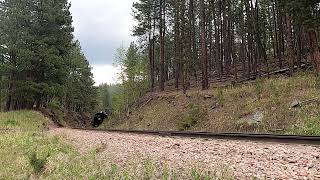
194 115
220 96
276 96
37 163
308 127
258 88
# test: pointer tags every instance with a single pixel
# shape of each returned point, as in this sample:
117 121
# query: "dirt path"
245 159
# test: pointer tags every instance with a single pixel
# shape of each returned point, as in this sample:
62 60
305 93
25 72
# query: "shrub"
318 82
10 122
37 163
195 114
258 88
57 110
220 96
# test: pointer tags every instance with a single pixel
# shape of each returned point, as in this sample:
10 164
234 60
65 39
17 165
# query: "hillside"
277 105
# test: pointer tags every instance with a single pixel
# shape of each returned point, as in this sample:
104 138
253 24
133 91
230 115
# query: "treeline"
40 62
194 41
134 78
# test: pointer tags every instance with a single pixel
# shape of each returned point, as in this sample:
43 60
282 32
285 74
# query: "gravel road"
244 159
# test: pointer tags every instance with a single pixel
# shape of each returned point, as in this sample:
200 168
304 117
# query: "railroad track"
285 139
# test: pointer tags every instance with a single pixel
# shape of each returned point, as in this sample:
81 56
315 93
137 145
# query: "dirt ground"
246 160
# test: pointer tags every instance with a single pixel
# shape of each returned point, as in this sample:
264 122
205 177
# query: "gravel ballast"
245 160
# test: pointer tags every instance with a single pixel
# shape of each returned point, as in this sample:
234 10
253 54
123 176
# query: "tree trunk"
204 55
315 54
290 42
162 63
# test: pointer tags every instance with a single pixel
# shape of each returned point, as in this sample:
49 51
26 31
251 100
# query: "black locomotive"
99 118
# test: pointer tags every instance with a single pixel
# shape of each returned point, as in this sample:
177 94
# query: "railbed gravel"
245 159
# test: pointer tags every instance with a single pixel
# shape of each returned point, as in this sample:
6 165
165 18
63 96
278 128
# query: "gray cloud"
102 26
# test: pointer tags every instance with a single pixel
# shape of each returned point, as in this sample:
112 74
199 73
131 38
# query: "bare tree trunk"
315 54
162 63
290 42
204 53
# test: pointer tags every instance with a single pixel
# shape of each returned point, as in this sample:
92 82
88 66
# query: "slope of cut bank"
281 105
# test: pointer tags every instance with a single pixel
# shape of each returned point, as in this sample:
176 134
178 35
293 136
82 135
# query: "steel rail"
282 139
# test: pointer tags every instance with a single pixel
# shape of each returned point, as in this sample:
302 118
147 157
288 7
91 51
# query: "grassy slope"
28 152
224 110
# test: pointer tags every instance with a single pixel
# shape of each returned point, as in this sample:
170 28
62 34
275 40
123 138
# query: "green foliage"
220 96
195 114
39 61
80 91
10 122
104 97
58 112
37 163
134 78
318 82
149 169
258 88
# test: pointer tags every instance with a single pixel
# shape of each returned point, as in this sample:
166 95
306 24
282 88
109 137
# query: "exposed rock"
207 96
295 104
253 118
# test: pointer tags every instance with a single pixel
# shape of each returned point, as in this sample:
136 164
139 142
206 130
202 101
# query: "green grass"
28 152
308 127
22 120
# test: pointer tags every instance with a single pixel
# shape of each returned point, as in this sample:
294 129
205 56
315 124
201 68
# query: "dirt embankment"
265 106
68 118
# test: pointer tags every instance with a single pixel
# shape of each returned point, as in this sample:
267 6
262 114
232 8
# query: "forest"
179 45
197 43
207 40
41 63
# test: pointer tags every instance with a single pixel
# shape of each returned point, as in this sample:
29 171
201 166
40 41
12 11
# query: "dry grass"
224 107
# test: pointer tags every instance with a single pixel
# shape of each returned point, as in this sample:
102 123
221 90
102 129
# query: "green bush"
194 115
220 96
258 88
57 109
10 122
37 163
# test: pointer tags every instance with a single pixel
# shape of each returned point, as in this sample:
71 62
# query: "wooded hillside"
202 41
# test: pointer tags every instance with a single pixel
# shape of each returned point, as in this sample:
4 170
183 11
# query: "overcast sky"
102 26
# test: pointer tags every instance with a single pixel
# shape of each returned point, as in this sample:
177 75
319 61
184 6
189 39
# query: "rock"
214 106
295 104
207 96
253 118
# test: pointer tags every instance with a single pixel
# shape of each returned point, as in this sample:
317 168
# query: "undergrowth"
194 115
308 127
225 107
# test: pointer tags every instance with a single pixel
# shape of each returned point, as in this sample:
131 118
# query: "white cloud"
105 74
102 26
